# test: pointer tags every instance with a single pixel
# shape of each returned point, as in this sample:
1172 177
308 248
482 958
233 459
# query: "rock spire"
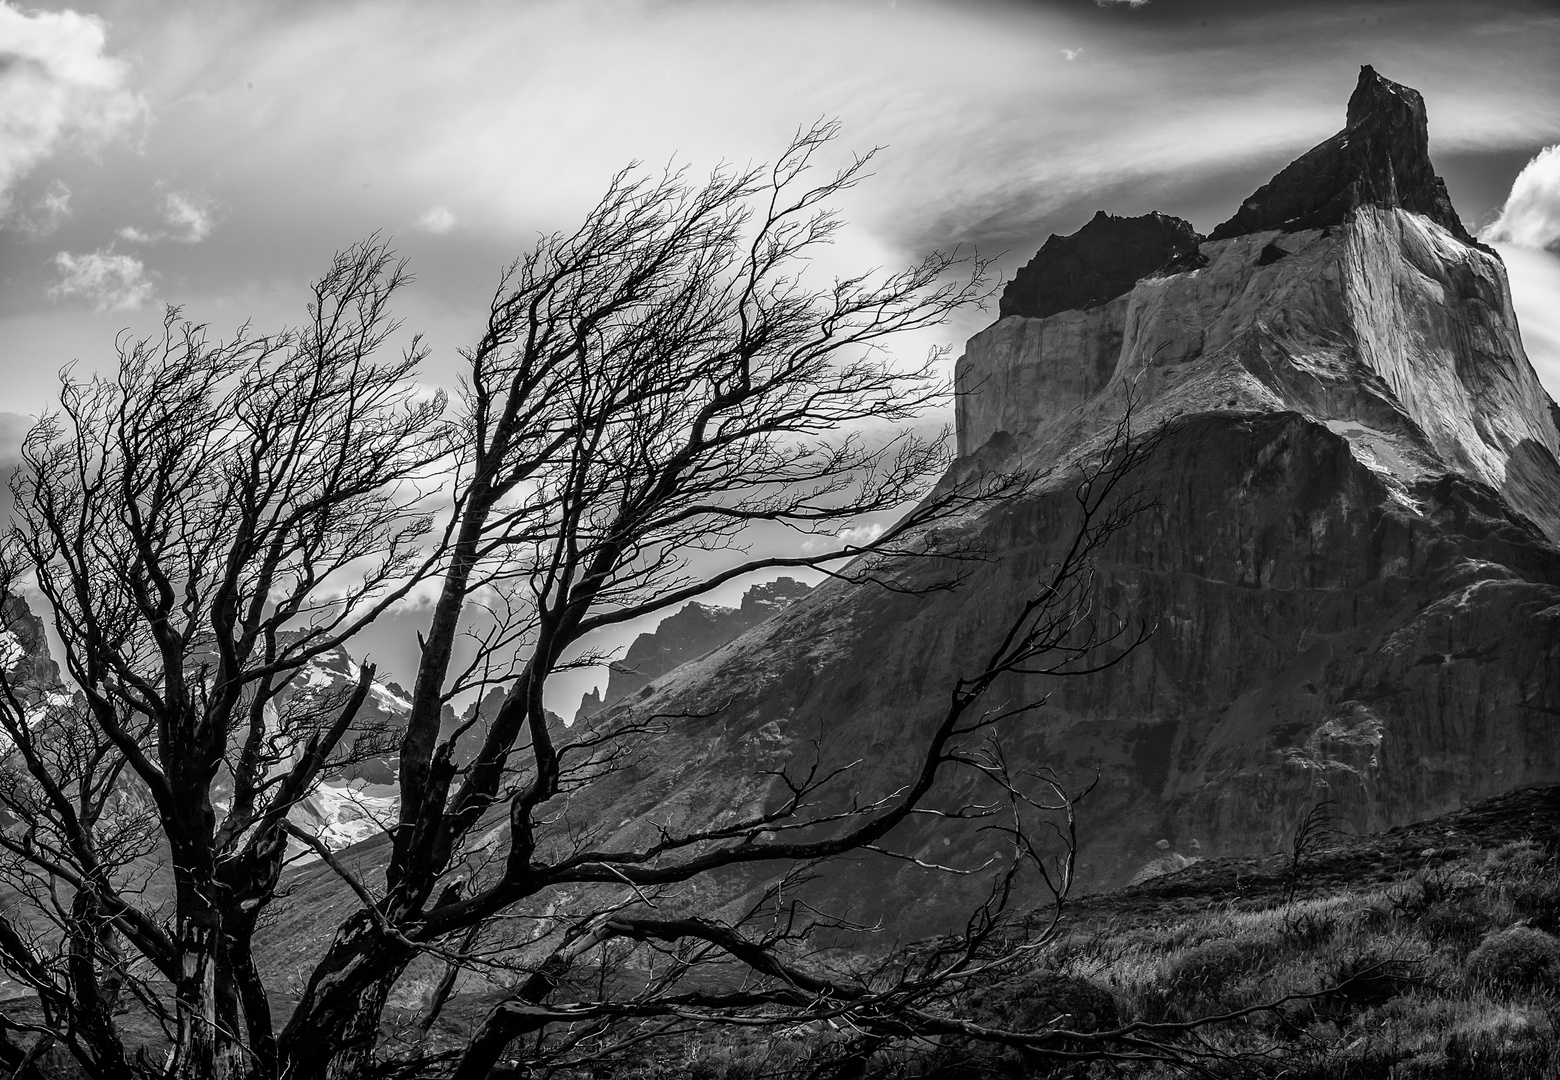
1380 158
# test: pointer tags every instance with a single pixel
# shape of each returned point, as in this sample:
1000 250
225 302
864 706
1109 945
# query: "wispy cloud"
437 220
189 217
1072 54
45 215
56 85
1120 3
1531 216
110 281
186 219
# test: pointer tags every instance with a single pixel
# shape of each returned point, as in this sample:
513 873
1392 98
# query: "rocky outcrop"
1098 263
687 634
24 650
1387 327
1381 158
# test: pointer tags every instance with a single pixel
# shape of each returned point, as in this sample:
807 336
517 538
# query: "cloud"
1531 216
189 220
56 85
437 220
1072 54
1535 293
1120 3
45 215
112 282
188 216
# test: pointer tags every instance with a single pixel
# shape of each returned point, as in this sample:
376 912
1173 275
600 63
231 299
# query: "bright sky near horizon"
213 155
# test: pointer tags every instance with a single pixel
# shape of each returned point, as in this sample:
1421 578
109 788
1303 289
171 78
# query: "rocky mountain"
358 802
24 647
687 634
1351 560
351 804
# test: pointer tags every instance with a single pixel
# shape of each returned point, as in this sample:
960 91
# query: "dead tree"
651 385
202 522
211 516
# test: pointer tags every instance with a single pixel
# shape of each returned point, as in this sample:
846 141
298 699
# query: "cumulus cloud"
56 85
1072 54
437 220
1531 216
110 281
1535 293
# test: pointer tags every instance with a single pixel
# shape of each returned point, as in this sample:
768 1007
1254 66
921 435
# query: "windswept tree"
202 522
651 385
209 517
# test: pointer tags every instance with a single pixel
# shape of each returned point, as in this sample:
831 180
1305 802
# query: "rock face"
1380 158
687 634
1351 560
1097 263
24 648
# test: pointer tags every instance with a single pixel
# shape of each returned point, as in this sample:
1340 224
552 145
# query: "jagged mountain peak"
688 633
1345 290
1380 158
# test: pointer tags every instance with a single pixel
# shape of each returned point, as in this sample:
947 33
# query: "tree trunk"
334 1028
502 1027
257 1009
92 997
195 1042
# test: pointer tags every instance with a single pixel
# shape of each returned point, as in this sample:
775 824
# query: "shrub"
1518 958
1046 999
1213 963
1538 902
1309 930
1366 978
1457 924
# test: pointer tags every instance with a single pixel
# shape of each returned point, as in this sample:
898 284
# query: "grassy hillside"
1444 931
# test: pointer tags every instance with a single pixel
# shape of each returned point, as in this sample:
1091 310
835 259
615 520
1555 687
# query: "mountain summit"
1381 158
1351 561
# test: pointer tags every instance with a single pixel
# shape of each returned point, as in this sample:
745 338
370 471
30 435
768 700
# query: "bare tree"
211 517
650 385
202 523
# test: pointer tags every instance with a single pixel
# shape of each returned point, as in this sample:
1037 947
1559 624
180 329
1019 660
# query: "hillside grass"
1443 934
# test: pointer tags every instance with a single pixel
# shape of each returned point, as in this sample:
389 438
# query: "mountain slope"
1351 561
687 634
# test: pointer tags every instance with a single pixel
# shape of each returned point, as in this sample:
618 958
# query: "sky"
214 155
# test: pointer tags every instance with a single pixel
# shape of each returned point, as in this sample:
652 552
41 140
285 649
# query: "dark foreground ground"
1442 934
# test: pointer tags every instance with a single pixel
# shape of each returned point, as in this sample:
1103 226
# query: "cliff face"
1387 327
1351 561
